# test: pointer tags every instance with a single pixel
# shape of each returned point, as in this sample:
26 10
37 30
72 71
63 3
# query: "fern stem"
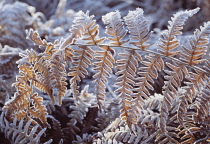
151 52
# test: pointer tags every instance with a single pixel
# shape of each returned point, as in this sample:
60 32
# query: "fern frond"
198 44
198 79
68 54
76 116
78 28
20 132
190 91
197 132
126 80
36 62
104 67
58 73
115 28
26 105
57 130
86 138
147 74
122 135
193 87
138 28
91 31
34 36
42 82
19 103
202 104
169 40
169 137
31 56
37 109
82 60
173 82
207 66
149 115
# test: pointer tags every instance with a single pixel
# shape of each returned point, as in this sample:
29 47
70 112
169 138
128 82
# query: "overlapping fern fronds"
179 115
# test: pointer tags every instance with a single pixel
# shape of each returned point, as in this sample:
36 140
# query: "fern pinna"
179 115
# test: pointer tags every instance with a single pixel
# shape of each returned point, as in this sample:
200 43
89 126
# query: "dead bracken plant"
65 114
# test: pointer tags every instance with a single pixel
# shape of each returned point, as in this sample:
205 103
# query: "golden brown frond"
36 69
126 80
103 67
37 109
68 54
198 44
197 78
24 104
42 79
91 31
17 105
169 40
31 56
82 60
147 74
129 114
34 36
57 76
138 28
115 28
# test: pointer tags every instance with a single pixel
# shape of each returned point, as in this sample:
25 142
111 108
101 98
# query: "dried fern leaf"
198 79
115 28
91 30
34 36
32 62
202 104
173 82
207 66
41 78
127 70
69 54
147 74
58 73
26 105
169 40
37 109
138 28
103 67
195 133
169 137
198 46
82 60
17 105
78 28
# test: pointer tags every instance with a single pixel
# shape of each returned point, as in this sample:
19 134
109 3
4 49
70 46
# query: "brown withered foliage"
50 105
